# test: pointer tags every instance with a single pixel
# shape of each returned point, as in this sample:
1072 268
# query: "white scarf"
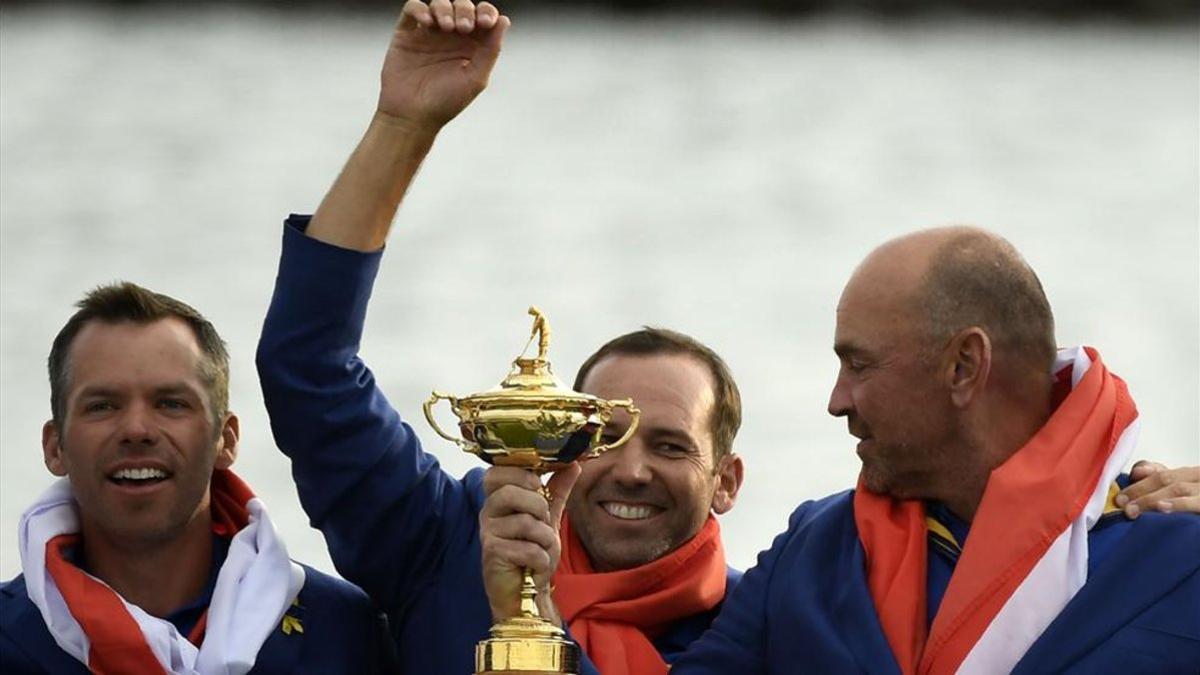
255 586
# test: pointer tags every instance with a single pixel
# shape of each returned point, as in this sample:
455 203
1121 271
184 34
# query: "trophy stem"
529 595
527 644
529 608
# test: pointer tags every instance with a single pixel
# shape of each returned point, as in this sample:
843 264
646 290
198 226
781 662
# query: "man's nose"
632 464
839 399
137 424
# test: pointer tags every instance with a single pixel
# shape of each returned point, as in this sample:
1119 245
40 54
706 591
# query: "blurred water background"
718 175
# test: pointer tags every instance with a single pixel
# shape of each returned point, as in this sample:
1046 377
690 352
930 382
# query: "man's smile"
630 511
138 475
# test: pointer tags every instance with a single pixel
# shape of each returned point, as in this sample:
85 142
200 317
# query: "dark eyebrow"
845 349
656 432
174 388
95 391
177 389
671 434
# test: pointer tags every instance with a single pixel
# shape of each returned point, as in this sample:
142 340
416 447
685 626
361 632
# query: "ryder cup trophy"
532 421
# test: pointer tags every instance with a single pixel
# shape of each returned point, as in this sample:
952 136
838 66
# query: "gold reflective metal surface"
533 421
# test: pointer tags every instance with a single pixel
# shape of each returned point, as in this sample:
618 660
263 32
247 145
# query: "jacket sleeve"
738 639
388 512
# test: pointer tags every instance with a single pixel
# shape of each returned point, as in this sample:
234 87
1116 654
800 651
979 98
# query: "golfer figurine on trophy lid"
533 421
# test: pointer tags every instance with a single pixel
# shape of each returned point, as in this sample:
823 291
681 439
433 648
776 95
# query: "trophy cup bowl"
531 421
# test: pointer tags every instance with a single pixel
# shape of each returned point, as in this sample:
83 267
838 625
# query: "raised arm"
439 59
389 514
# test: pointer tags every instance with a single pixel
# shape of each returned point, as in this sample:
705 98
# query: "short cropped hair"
650 341
976 278
127 302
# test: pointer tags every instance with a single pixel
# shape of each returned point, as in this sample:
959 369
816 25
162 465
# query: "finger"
1190 504
486 15
1157 481
415 13
521 527
464 16
499 476
1142 487
443 12
495 38
1168 495
512 499
518 554
559 486
1143 468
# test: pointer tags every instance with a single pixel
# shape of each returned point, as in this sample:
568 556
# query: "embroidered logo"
292 619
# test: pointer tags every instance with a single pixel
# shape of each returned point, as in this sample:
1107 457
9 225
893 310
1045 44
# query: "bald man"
984 535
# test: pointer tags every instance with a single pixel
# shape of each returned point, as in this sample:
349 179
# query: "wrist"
405 126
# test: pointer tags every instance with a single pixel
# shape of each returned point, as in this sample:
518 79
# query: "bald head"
945 341
952 278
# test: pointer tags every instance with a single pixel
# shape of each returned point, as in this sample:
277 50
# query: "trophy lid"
533 378
532 420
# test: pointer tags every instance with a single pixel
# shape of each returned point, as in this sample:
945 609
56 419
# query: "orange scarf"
1029 501
116 644
614 615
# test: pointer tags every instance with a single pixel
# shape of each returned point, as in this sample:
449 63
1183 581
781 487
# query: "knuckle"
490 547
490 482
529 524
528 555
1154 481
492 506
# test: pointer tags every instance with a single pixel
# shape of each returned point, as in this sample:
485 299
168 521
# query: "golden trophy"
532 421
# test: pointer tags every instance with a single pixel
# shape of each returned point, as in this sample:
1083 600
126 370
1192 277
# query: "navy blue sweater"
805 606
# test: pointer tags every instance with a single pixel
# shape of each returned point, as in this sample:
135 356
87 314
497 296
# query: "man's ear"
730 472
227 444
52 449
968 365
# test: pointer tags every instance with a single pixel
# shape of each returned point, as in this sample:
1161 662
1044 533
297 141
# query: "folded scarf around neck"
614 615
96 626
1027 553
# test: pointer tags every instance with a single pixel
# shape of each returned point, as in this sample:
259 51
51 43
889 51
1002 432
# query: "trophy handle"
437 396
636 416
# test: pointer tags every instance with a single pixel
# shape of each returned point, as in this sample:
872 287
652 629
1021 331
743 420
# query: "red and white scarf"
95 625
615 615
1027 554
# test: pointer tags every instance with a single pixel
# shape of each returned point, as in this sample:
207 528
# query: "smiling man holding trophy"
411 535
395 523
640 571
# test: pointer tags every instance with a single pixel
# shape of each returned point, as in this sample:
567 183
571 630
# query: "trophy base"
526 645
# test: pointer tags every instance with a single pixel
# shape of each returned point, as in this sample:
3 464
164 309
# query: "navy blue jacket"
805 606
342 633
396 524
